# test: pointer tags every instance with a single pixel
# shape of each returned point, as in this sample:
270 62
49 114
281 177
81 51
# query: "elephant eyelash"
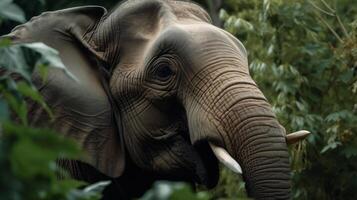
163 52
166 48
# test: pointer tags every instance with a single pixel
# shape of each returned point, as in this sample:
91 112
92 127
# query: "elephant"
161 93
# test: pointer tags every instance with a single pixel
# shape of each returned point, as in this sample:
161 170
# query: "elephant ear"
83 108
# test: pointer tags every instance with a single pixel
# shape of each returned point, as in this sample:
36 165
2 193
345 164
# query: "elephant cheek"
169 158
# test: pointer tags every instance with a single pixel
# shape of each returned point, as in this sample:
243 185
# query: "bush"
28 155
303 55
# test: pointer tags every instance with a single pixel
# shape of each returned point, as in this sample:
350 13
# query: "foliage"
11 11
303 55
28 155
163 190
230 186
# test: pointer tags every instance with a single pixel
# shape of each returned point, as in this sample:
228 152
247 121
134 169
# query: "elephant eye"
164 72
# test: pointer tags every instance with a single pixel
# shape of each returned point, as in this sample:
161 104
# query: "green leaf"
347 76
35 163
340 115
331 146
4 111
50 57
47 139
13 58
185 192
164 190
97 187
22 112
18 106
349 151
11 11
3 3
243 24
22 59
67 185
43 70
32 93
5 42
91 192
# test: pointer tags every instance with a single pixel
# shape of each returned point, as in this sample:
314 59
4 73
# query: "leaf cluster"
28 155
302 54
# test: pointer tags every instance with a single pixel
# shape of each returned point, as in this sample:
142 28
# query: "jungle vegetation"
302 54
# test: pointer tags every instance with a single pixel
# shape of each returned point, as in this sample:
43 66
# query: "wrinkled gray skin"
157 82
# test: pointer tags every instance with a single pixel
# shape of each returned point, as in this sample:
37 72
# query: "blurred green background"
303 56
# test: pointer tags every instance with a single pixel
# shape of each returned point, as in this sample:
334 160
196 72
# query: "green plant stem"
342 26
328 7
321 10
331 12
330 28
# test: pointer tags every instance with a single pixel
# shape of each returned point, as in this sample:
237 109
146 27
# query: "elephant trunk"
258 145
239 119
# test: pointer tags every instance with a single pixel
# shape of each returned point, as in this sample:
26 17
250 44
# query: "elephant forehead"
201 46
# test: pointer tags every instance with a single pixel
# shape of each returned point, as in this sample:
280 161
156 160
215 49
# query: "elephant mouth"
207 168
201 165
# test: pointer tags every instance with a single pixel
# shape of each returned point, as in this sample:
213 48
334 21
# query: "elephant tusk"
296 136
226 159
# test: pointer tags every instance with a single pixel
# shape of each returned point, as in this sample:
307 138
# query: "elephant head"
162 92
